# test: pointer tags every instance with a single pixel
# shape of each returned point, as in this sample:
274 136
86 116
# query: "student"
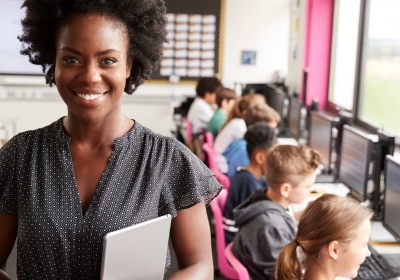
201 112
236 153
234 127
259 138
225 101
265 220
331 241
66 185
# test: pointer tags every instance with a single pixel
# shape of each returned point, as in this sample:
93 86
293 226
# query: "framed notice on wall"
194 32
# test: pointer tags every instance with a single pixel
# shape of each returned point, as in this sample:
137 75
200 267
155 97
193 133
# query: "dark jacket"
264 229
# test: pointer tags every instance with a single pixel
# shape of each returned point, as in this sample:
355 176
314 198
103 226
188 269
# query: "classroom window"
379 96
344 52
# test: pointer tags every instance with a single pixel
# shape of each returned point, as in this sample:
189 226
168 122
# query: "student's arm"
191 238
8 233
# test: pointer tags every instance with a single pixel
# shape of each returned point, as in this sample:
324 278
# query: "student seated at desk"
259 139
236 153
234 127
225 101
200 112
331 241
265 220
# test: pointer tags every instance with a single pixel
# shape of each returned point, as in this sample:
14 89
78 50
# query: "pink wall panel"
317 49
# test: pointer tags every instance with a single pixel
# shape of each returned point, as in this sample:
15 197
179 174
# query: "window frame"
359 77
360 74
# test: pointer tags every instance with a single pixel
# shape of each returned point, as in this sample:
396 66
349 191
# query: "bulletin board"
194 33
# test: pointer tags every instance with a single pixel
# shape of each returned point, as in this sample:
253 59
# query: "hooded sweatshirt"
264 229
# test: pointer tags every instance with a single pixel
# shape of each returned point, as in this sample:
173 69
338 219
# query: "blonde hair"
242 104
261 113
329 218
290 164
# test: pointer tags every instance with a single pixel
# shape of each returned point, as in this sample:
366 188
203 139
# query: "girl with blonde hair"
331 241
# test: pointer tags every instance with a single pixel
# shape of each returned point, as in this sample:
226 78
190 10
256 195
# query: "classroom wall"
261 25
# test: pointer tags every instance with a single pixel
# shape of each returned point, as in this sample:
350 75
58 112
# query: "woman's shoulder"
26 138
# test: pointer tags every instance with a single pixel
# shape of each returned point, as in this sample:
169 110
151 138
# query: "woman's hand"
191 238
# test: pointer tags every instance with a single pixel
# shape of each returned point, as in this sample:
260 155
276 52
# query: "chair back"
236 264
209 138
217 206
189 132
212 164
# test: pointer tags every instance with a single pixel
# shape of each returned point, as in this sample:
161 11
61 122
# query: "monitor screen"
354 161
391 200
294 118
276 100
320 136
254 88
12 62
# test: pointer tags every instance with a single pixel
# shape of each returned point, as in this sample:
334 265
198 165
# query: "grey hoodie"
264 229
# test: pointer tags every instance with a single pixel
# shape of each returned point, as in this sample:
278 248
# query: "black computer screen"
354 161
391 202
254 88
320 136
294 118
276 100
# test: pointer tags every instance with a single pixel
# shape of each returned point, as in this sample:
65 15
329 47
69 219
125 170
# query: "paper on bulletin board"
182 18
195 18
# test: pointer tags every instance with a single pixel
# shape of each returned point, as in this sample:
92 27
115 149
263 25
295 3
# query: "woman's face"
349 261
91 66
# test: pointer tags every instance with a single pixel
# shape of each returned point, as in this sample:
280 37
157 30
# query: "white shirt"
200 113
235 129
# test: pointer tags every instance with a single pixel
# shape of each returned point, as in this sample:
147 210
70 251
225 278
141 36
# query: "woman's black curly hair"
145 21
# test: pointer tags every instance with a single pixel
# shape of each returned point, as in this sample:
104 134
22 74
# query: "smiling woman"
64 186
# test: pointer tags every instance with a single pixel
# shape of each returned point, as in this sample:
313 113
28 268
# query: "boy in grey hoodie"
265 220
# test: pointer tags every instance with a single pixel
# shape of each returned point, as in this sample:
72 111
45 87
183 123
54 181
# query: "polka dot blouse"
147 175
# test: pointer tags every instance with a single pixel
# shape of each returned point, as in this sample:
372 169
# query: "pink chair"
236 264
189 132
221 178
217 206
208 138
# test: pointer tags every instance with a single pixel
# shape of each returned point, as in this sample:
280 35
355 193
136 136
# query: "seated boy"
236 154
200 111
225 101
260 137
265 221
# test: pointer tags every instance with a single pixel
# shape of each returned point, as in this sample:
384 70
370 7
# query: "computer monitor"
294 118
387 144
320 136
355 159
254 88
391 201
274 96
276 100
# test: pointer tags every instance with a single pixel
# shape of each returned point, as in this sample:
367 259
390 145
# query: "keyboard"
376 267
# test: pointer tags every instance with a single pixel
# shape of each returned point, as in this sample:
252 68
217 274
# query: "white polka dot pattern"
147 175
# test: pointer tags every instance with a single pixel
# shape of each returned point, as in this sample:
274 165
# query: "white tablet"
136 252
